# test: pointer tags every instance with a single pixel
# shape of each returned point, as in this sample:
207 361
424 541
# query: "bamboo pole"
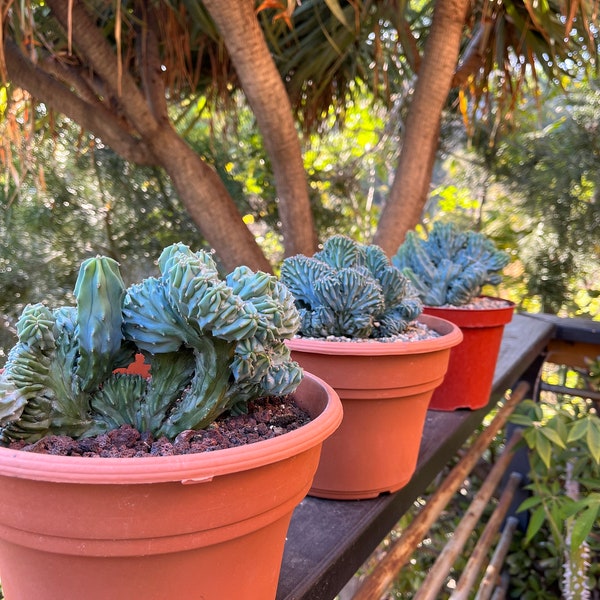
434 581
376 584
474 564
501 589
492 572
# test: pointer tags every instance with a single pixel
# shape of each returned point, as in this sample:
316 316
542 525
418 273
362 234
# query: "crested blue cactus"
212 345
450 266
350 289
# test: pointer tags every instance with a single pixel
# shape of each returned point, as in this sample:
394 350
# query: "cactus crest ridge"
450 266
350 289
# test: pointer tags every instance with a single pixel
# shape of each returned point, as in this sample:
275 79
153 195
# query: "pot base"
190 574
376 450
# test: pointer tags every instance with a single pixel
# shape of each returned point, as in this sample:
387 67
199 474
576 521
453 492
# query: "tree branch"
90 41
266 94
408 194
91 116
72 78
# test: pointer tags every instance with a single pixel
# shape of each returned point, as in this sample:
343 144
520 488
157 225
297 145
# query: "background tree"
551 176
117 68
534 190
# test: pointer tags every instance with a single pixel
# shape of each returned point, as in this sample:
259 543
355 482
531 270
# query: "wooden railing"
329 540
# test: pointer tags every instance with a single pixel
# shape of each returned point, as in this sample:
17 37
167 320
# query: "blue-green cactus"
450 266
211 344
350 289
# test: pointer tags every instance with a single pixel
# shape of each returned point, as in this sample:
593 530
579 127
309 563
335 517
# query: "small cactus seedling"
450 266
212 345
350 289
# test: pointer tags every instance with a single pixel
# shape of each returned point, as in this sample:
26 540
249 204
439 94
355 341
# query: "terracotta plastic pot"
385 390
208 525
468 382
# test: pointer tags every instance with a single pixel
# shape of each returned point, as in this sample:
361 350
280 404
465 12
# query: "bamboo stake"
478 556
491 573
383 575
501 589
434 581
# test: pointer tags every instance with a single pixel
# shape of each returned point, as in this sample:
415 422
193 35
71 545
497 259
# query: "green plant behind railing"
593 372
564 451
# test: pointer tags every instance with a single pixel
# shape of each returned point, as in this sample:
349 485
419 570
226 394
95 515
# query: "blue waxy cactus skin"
450 266
350 289
99 291
211 344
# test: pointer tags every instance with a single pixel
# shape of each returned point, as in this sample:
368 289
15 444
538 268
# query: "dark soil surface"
266 418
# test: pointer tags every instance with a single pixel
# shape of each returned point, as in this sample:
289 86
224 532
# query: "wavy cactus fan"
450 266
350 289
212 345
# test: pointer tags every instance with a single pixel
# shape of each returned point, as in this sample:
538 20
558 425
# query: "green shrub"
563 533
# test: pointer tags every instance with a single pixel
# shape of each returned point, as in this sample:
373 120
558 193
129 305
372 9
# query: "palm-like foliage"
325 47
331 45
511 41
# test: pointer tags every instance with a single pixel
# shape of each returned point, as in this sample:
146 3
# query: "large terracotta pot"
209 525
468 382
385 390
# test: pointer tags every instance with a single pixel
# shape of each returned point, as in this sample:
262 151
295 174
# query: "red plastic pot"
208 525
385 390
468 382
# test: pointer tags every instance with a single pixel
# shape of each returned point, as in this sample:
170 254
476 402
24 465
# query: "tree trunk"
411 183
270 103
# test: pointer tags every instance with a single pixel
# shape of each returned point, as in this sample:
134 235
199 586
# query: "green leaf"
560 426
552 435
569 508
522 420
583 526
530 436
529 503
589 482
543 448
593 440
578 430
556 512
535 523
594 497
